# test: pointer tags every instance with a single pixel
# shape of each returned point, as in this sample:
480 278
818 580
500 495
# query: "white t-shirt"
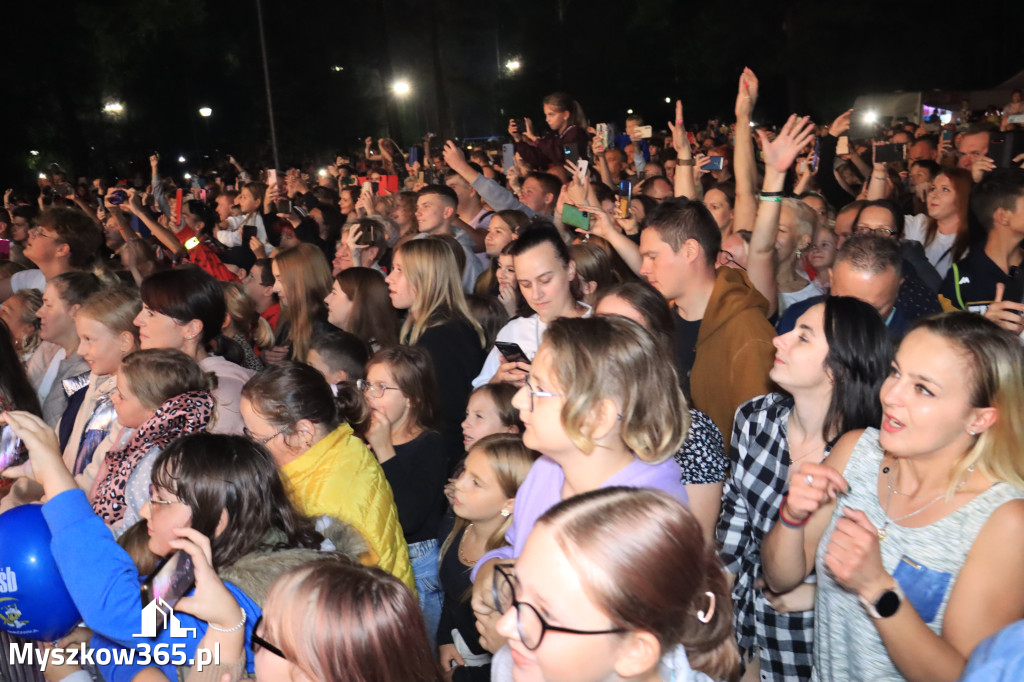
233 235
940 251
28 279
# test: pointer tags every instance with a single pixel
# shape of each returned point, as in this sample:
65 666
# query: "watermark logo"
152 624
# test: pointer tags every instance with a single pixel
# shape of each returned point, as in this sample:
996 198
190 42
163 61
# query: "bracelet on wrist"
234 629
773 199
771 194
686 162
789 523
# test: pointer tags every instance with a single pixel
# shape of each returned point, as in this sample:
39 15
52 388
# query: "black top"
915 299
457 613
458 357
686 349
417 474
971 283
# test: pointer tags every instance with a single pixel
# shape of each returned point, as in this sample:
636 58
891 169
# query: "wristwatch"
886 604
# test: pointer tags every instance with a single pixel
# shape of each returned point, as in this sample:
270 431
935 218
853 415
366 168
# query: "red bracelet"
786 522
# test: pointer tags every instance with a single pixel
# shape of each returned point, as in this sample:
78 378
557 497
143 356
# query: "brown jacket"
734 350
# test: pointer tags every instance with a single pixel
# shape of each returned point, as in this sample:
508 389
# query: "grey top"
846 644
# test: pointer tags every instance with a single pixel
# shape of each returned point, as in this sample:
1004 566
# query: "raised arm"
778 157
163 234
685 185
744 165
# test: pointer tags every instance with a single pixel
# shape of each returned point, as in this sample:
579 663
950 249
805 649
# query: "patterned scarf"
178 416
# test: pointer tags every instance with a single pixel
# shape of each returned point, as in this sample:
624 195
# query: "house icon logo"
157 616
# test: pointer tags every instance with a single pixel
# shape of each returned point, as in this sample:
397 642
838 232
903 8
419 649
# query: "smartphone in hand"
172 579
511 351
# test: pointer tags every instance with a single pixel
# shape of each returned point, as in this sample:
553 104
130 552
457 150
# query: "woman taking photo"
568 126
830 368
184 309
289 409
425 280
914 528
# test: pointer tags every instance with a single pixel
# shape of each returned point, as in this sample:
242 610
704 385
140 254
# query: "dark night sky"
166 58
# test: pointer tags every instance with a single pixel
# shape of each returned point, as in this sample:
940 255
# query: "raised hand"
1007 314
810 488
746 95
782 151
841 124
679 140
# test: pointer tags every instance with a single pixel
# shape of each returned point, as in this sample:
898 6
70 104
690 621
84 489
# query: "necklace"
462 553
882 532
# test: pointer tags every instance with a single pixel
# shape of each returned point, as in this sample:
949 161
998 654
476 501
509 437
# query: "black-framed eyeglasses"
257 642
374 390
540 394
529 623
262 441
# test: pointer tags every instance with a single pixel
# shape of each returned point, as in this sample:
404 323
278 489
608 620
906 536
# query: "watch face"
887 604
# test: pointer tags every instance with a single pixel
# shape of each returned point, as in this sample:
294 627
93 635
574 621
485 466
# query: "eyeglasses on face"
540 394
262 441
38 232
529 623
867 229
256 642
374 390
153 500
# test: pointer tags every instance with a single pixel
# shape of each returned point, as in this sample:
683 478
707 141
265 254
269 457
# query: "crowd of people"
716 403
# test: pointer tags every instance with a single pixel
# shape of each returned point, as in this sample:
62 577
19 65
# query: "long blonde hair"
433 274
996 379
306 277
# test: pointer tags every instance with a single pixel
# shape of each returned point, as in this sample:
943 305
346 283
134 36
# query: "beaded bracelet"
234 629
786 522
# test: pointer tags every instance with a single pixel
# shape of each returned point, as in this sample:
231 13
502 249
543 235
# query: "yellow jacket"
339 477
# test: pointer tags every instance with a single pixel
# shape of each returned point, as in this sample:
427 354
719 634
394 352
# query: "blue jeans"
424 556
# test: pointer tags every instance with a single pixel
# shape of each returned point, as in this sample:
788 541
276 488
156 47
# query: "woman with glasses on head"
585 408
290 410
401 390
616 583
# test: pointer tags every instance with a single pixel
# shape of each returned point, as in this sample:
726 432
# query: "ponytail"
352 407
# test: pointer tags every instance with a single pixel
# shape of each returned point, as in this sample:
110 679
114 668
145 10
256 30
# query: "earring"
971 432
505 513
706 617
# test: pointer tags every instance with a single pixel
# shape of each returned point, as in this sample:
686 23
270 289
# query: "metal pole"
266 82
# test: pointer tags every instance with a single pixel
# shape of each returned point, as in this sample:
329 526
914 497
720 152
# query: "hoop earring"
706 617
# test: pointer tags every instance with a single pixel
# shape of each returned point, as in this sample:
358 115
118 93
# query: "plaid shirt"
750 507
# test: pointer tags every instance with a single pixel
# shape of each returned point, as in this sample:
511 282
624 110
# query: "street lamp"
181 159
513 65
401 87
113 108
205 112
871 117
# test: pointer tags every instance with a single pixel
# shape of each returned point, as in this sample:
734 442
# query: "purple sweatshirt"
542 490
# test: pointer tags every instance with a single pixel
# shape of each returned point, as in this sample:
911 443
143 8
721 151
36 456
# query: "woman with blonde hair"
246 327
425 279
914 528
302 279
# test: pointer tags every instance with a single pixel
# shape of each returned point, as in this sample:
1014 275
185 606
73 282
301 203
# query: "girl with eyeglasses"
331 619
401 390
290 410
587 409
616 583
220 499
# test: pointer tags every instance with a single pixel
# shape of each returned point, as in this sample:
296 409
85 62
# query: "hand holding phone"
172 579
11 451
511 351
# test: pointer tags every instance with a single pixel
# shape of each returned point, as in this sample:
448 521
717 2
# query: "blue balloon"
34 603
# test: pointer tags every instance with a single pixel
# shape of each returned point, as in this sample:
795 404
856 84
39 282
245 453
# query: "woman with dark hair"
219 498
184 309
547 279
568 126
348 197
16 391
290 410
360 304
701 457
830 367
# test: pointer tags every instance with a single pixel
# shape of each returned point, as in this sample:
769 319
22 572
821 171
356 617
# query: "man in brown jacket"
723 339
